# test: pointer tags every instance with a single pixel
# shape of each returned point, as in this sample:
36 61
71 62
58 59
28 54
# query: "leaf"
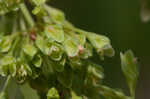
53 94
47 67
30 50
95 70
130 70
66 77
8 66
81 39
7 60
71 47
55 32
5 44
59 65
28 92
12 69
27 69
108 51
76 62
101 44
98 41
87 51
37 61
56 15
43 45
56 52
52 49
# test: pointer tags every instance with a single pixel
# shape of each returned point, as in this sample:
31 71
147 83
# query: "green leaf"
95 70
8 66
101 44
52 49
47 67
56 15
53 94
12 69
71 47
43 45
30 50
27 69
98 41
66 77
59 65
55 32
56 52
108 51
7 60
5 44
37 61
76 62
130 70
87 51
81 39
28 92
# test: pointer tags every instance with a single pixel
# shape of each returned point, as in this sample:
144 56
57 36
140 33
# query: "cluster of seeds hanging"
46 48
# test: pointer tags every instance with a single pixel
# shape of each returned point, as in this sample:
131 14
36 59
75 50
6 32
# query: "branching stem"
27 15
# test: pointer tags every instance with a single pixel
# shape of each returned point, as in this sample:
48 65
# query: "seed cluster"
52 55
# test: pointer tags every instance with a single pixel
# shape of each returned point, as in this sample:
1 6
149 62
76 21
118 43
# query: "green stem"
27 15
14 26
6 83
22 24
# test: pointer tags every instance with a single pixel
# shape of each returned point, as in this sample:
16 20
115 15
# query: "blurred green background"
119 20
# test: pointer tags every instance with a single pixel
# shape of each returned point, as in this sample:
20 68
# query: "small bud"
81 49
33 35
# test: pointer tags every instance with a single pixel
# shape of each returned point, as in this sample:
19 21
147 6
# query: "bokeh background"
121 21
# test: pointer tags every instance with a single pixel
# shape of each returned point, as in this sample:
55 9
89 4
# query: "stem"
27 15
14 26
22 24
6 83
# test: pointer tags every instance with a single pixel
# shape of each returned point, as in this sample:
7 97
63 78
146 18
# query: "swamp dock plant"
42 55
